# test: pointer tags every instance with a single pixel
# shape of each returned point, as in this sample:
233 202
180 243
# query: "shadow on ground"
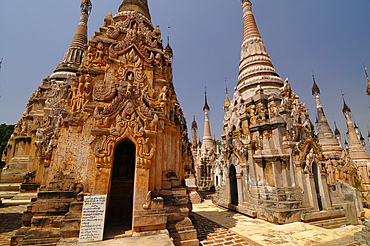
212 233
10 222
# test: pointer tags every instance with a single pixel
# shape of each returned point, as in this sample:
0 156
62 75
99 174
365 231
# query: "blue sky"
330 38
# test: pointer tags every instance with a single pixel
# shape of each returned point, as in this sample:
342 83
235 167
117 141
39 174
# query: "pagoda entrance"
121 195
316 175
233 186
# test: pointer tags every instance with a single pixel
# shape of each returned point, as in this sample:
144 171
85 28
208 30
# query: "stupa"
204 153
107 123
272 164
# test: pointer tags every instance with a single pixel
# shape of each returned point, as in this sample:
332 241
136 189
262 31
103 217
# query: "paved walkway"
269 234
216 227
213 234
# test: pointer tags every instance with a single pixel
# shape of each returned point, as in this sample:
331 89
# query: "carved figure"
296 113
98 59
274 112
286 90
262 113
252 113
80 93
158 70
311 158
163 98
87 87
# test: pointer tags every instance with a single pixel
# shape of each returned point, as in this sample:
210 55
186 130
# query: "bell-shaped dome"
140 6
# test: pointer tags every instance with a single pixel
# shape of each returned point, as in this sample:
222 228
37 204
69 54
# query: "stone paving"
266 233
211 234
221 227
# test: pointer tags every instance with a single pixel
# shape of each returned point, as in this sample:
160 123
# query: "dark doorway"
233 186
120 206
316 176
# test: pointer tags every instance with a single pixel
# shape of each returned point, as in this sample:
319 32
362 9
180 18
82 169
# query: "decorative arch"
121 194
305 147
128 123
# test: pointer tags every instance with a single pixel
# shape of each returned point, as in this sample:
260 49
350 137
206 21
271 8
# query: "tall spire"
255 66
168 48
336 131
367 80
140 6
194 128
315 87
227 99
330 143
345 109
323 128
73 56
356 149
205 107
207 136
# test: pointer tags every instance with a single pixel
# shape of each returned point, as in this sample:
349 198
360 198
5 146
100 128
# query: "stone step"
194 242
331 223
322 215
24 196
175 183
70 228
76 207
40 242
8 195
280 204
64 195
179 236
46 221
180 200
179 191
10 186
172 229
50 207
16 169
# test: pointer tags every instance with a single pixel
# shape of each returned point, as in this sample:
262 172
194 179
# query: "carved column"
292 168
311 191
301 180
239 181
284 174
252 170
363 173
277 168
324 191
244 185
330 169
141 188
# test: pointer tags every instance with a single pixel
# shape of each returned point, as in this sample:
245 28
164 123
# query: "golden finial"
86 6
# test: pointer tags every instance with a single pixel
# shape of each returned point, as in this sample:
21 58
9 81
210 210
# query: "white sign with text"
92 221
